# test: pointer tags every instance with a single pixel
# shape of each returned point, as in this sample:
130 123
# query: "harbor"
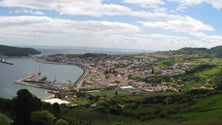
26 67
4 61
38 81
79 82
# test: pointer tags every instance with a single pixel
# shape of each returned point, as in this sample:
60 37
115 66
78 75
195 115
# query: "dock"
30 77
3 60
33 80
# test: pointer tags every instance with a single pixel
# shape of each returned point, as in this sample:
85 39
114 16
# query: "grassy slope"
206 111
4 120
110 93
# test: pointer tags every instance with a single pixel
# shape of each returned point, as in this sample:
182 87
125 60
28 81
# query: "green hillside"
16 51
196 107
203 52
4 120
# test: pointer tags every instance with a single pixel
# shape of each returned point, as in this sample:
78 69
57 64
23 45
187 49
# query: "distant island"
17 51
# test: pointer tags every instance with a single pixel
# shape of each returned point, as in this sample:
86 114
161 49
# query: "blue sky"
126 24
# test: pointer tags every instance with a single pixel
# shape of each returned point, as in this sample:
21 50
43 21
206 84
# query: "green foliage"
129 57
56 110
200 52
186 108
24 104
218 80
93 55
42 118
154 80
61 122
166 62
110 93
217 51
6 107
15 51
4 120
209 72
118 123
199 68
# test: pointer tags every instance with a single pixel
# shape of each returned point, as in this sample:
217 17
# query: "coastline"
79 81
77 84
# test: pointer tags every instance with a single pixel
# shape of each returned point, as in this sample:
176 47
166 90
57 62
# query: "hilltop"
215 52
16 51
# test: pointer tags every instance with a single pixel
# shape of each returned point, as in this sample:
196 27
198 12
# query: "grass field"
4 120
79 101
110 93
166 62
205 111
210 72
217 60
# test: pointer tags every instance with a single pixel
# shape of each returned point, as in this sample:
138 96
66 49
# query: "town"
127 72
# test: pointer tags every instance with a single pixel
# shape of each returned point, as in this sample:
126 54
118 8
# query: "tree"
116 93
61 122
24 104
56 110
42 118
218 81
152 71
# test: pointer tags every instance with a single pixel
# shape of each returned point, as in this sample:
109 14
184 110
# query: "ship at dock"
4 61
34 80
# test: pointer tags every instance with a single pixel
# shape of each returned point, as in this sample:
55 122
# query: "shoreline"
76 85
79 81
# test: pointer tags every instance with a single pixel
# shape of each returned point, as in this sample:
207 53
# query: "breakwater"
78 83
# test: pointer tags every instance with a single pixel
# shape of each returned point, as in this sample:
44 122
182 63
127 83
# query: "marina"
36 80
4 61
25 68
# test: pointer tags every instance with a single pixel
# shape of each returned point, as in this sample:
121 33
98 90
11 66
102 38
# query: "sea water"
23 67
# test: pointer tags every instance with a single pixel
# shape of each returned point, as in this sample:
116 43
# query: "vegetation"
166 62
191 106
201 52
4 120
110 93
186 108
15 51
42 118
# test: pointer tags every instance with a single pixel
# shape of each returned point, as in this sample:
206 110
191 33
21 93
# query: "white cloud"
188 2
145 3
42 25
105 33
183 24
215 3
154 41
75 7
49 31
28 11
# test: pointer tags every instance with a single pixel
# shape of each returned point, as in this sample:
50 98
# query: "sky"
124 24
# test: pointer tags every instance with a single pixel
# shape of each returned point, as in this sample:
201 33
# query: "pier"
78 84
3 60
35 81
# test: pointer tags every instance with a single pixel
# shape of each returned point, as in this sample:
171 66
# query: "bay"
24 67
